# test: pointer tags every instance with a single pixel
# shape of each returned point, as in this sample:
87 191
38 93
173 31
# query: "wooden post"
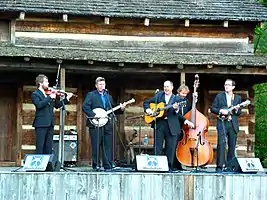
12 31
182 78
106 20
19 125
79 119
62 120
187 23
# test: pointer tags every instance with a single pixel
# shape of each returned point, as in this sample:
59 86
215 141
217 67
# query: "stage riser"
131 186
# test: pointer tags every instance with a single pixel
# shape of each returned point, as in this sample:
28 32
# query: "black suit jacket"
186 108
221 102
93 100
44 115
172 116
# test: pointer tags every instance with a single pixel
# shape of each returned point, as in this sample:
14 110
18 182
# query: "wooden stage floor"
84 184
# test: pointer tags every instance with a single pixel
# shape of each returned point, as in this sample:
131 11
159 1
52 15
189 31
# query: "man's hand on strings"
189 123
69 95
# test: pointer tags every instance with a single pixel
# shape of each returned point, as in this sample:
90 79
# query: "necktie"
103 100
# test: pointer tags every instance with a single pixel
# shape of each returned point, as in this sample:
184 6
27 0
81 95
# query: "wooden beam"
146 22
225 24
182 78
19 125
106 20
21 15
187 23
80 121
65 17
12 31
62 117
255 70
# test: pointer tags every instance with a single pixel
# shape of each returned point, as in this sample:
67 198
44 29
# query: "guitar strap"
171 100
233 98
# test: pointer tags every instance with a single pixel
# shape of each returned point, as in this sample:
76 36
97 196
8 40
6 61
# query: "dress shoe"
219 170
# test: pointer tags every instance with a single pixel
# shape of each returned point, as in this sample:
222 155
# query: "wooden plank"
19 125
70 119
12 31
127 29
79 119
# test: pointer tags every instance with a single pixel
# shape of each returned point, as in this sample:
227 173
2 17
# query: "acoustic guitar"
159 110
101 116
231 108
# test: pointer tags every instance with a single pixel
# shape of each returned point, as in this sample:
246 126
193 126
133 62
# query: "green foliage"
260 36
260 40
260 100
264 2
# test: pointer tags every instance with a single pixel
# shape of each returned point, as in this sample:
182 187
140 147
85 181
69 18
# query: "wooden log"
127 29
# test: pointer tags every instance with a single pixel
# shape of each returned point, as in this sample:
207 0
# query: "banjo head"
101 117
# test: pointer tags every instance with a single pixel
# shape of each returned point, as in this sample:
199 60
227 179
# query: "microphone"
106 90
157 90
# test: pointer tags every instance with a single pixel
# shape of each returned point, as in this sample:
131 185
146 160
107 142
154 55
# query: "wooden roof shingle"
239 10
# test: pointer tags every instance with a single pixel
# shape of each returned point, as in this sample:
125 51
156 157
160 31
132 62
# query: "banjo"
101 116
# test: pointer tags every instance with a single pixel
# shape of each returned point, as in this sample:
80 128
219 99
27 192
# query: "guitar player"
228 127
102 136
166 128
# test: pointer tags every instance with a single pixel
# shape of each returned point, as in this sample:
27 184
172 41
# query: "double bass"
194 149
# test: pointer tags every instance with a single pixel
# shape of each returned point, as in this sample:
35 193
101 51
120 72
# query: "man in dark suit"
168 127
228 127
44 115
100 98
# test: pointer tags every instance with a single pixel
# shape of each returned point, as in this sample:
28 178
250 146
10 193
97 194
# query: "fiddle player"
166 128
44 114
226 128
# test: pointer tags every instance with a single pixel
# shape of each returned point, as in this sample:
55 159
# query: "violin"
59 93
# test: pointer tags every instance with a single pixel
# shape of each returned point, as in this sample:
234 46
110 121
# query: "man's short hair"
183 87
40 79
98 79
233 82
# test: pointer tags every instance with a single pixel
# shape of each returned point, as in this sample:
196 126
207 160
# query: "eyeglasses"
228 85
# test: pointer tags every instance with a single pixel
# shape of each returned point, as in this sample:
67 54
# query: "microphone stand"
114 119
61 128
155 121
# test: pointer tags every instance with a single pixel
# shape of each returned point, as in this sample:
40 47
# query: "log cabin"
136 45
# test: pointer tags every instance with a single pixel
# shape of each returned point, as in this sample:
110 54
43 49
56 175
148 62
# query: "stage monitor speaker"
245 165
145 162
40 162
70 147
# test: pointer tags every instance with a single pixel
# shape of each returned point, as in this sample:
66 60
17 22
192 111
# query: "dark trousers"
230 137
101 138
44 140
163 133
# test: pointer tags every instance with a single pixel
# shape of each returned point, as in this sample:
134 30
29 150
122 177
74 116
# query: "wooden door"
8 125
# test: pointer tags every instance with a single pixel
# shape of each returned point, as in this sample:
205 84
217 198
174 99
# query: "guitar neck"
166 107
169 106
